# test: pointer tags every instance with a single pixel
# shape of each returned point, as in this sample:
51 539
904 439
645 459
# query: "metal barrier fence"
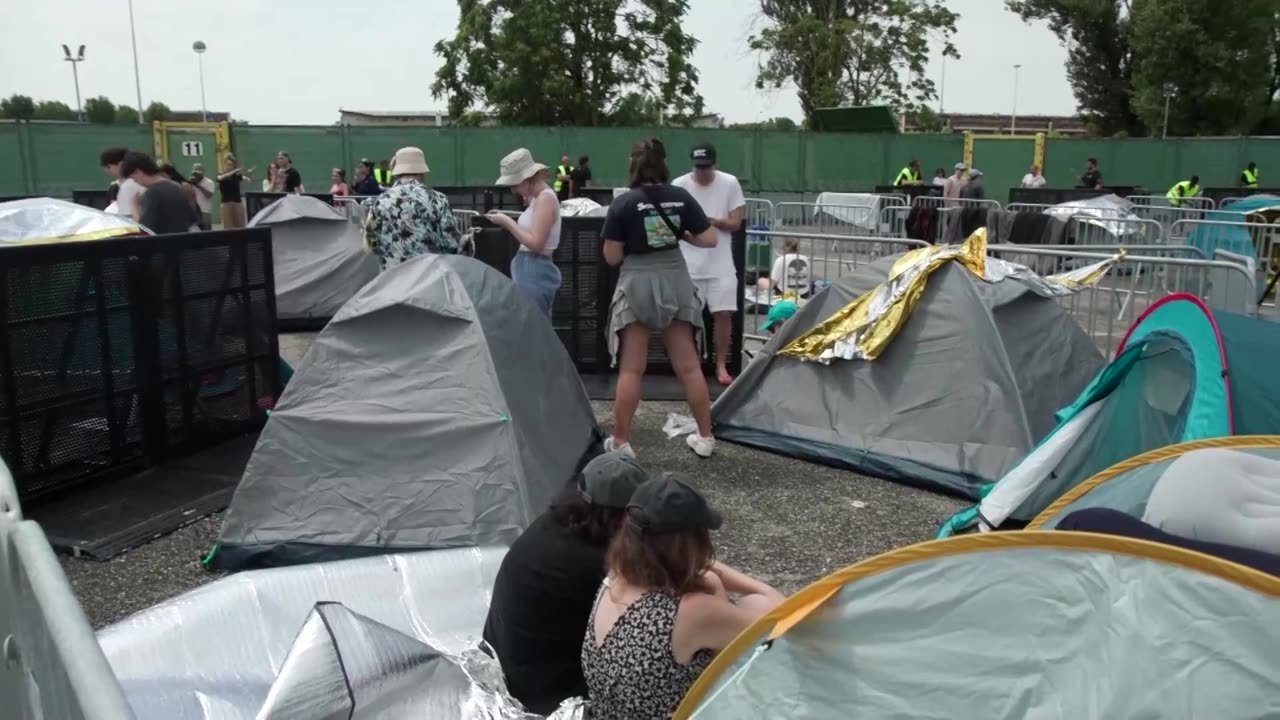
51 666
1106 309
1026 207
1168 215
1198 202
934 201
758 213
828 218
1088 230
807 263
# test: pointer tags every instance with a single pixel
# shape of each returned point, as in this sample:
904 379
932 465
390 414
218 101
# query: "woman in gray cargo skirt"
642 233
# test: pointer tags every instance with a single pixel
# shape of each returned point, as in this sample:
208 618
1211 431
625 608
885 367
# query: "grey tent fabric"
1101 630
319 256
967 387
437 409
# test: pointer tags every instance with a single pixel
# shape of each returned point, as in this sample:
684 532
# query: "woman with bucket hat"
537 230
409 219
663 610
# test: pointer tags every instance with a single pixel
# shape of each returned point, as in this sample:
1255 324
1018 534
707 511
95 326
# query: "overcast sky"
298 61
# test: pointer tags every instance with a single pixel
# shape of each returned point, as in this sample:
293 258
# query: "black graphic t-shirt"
634 220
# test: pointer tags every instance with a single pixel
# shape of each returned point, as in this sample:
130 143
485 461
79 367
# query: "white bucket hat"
409 161
517 167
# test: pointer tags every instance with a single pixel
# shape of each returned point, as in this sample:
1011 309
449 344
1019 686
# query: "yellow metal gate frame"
221 137
1037 153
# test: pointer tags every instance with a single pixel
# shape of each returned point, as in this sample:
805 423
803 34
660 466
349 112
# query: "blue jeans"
538 279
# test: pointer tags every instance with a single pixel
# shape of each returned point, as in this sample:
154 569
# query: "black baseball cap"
610 480
670 504
703 155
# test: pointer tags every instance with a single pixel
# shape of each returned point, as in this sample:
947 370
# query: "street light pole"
199 47
75 75
1168 94
1013 118
137 82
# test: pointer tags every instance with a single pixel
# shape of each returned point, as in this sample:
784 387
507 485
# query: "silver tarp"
386 637
582 207
50 220
1098 211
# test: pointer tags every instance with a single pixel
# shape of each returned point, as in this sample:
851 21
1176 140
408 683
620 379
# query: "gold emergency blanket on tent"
862 329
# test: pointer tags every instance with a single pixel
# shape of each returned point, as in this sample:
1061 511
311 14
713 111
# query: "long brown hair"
671 561
648 163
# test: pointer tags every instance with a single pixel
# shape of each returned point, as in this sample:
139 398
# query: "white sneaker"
625 448
703 446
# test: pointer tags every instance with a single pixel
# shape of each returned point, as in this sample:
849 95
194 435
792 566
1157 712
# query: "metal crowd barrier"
817 261
827 218
1027 207
941 202
1106 309
1167 215
759 213
1089 230
1198 202
52 666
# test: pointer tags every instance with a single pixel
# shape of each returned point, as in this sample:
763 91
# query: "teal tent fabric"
1253 351
1210 238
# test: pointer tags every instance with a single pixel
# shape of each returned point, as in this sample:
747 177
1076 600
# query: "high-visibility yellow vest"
1188 190
1250 178
560 170
382 176
907 176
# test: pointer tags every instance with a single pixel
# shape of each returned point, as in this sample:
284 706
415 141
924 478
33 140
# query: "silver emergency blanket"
319 257
287 642
43 220
861 210
1098 211
582 207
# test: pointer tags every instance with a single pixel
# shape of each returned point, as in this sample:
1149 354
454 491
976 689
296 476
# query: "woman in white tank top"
537 230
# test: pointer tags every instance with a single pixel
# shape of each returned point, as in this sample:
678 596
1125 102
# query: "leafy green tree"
54 110
567 62
853 52
928 121
1098 36
1207 55
100 110
18 107
157 112
777 123
126 115
636 110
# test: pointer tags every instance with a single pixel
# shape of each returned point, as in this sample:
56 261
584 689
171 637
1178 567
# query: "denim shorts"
538 279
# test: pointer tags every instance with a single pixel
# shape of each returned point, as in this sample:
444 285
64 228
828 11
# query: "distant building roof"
424 114
198 116
999 124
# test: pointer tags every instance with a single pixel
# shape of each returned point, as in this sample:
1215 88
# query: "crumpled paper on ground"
678 425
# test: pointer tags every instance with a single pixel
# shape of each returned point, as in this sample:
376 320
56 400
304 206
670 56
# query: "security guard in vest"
910 174
561 185
382 175
1249 176
1185 189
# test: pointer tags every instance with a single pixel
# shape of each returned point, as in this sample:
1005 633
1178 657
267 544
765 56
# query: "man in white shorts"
711 269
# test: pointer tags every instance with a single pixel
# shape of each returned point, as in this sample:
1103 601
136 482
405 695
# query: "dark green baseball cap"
610 480
670 504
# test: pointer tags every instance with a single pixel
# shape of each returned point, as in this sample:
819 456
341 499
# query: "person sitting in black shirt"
547 584
165 208
580 178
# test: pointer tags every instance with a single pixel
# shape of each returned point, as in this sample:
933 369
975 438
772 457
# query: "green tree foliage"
126 115
777 123
637 110
17 107
100 110
928 121
567 62
54 110
853 52
1213 58
1098 36
157 112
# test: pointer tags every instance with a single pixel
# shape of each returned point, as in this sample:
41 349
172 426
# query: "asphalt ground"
787 521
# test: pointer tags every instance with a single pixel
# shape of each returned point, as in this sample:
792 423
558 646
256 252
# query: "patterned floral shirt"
409 220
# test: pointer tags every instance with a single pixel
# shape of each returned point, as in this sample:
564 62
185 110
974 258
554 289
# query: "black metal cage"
119 354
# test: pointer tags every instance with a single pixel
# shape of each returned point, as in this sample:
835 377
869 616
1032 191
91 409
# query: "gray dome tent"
437 409
964 390
319 259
